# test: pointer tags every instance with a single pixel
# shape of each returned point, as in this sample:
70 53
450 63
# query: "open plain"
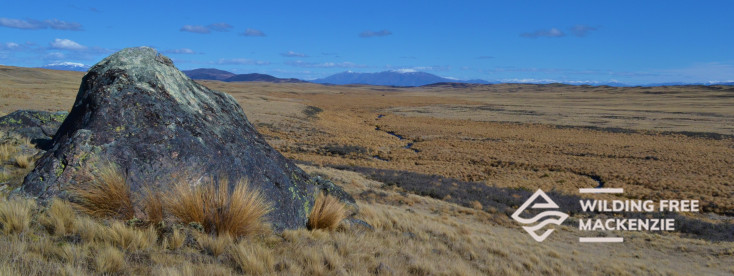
437 170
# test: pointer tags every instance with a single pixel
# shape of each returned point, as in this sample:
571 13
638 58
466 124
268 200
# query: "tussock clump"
6 151
327 213
15 214
175 240
23 161
252 258
214 245
59 217
105 196
237 212
109 260
153 206
130 238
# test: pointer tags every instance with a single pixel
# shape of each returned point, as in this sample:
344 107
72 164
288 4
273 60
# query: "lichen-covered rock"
38 126
135 109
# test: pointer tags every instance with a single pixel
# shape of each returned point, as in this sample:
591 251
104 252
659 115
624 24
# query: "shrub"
106 195
327 213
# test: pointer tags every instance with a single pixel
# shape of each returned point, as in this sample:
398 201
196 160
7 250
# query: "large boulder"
135 109
38 126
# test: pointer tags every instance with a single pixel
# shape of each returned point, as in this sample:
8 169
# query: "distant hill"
208 74
260 77
391 78
221 75
67 66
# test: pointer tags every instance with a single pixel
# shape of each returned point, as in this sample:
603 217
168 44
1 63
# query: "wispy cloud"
32 24
582 30
380 33
293 54
300 63
252 32
195 29
552 32
201 29
220 27
185 51
66 44
241 61
10 46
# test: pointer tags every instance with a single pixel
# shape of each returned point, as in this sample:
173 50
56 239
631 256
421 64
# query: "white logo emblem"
549 204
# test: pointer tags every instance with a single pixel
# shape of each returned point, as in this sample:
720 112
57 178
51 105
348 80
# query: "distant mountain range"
391 78
66 66
221 75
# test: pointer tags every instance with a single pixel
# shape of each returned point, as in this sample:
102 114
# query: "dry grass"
431 237
106 195
237 212
252 258
214 245
15 214
59 218
6 152
327 213
24 160
153 205
110 260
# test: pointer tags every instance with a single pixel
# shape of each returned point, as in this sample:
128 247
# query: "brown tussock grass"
252 258
214 245
153 205
59 218
175 240
237 212
130 238
23 161
327 213
15 214
110 260
107 195
6 152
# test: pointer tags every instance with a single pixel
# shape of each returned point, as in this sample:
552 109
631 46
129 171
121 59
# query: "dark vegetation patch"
344 150
507 200
312 112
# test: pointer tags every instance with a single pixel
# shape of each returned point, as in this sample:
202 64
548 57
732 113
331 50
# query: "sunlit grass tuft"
107 195
327 213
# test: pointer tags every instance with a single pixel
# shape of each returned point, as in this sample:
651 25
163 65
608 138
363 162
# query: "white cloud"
195 29
10 46
32 24
185 51
242 61
552 32
366 34
66 44
252 32
293 54
300 63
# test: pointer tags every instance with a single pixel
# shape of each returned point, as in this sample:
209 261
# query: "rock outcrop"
135 109
38 126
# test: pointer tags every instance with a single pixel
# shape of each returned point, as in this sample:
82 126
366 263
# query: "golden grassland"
500 136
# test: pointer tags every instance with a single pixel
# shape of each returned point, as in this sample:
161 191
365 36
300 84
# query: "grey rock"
135 109
38 126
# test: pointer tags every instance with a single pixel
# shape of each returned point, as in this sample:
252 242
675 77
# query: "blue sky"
633 42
